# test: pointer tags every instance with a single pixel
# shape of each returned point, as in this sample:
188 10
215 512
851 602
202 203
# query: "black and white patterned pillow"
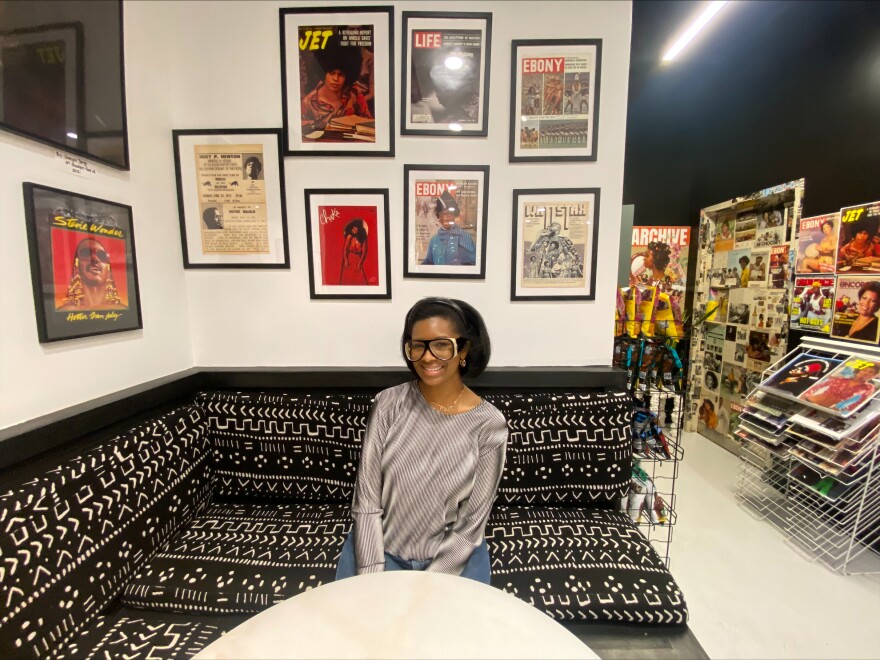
565 449
74 536
286 447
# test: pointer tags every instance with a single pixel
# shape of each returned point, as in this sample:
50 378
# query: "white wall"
228 76
36 379
216 65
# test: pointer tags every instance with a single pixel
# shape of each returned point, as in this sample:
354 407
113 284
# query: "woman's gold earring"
462 362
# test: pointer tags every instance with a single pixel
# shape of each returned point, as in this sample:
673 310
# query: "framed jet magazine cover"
348 243
336 82
555 235
230 196
83 264
445 81
554 99
445 214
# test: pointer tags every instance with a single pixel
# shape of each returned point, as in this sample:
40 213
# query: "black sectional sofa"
214 500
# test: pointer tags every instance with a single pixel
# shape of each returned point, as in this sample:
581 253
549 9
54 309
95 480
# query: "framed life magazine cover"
554 100
445 77
348 243
555 235
83 265
445 216
336 81
230 196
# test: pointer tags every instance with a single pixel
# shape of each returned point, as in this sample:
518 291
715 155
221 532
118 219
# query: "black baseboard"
30 440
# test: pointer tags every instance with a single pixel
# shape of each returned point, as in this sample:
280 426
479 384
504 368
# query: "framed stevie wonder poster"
83 265
230 195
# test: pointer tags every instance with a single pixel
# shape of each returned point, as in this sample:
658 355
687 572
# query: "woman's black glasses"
85 254
442 348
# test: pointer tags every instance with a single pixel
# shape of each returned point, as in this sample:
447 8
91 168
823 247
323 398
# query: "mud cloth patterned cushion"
286 447
581 565
565 449
135 638
72 538
243 558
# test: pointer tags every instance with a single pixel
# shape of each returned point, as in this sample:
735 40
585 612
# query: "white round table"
400 614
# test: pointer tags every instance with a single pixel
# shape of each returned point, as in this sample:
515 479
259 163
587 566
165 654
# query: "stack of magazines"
825 413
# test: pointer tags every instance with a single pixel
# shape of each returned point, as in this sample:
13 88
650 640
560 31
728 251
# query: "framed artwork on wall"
336 81
555 234
554 100
83 265
44 63
348 243
230 196
445 77
445 216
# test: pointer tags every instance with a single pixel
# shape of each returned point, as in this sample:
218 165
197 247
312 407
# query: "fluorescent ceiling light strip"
701 22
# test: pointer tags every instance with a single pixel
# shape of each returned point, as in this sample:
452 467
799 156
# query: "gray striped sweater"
426 481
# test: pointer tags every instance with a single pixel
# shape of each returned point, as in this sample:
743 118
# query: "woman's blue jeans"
477 567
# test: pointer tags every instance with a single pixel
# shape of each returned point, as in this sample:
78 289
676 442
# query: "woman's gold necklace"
446 409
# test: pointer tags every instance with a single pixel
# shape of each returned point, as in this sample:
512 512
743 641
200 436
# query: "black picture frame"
551 266
468 27
73 300
262 147
96 145
552 139
322 264
348 136
471 197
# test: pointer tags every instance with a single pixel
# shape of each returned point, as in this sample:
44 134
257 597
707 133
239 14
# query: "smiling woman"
432 456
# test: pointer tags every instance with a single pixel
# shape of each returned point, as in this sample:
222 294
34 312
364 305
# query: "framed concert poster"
83 264
348 243
554 100
336 81
230 196
554 244
445 215
445 81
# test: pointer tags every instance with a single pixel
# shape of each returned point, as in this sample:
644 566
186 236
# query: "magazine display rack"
654 513
815 476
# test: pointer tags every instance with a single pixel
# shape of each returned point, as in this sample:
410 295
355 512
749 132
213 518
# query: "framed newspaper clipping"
336 81
445 81
348 243
83 264
230 196
554 244
554 100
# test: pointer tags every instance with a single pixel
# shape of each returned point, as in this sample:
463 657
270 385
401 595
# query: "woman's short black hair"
744 260
870 286
468 324
829 223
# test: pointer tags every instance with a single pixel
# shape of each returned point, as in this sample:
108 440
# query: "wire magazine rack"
829 515
668 406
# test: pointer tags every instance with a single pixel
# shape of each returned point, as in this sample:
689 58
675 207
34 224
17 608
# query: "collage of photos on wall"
744 279
821 275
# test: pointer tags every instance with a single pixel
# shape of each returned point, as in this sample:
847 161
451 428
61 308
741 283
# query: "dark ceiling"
771 91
